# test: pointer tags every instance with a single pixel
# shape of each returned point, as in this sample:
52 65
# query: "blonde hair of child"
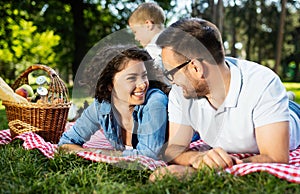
148 11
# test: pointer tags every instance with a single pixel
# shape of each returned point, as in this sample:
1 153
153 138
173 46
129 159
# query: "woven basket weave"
46 119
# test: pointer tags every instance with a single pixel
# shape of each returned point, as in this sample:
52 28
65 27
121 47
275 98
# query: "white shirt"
256 97
155 51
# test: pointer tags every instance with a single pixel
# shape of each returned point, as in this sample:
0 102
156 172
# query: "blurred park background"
59 33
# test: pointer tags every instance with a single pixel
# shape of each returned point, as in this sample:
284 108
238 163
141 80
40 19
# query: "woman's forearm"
71 148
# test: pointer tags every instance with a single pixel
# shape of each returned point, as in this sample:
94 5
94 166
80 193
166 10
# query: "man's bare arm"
273 143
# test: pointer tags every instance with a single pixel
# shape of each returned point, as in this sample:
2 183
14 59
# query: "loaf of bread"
7 93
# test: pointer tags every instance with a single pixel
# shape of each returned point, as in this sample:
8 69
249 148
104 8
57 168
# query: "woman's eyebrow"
137 73
132 74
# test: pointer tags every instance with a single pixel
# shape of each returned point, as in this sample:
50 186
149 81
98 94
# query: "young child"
147 22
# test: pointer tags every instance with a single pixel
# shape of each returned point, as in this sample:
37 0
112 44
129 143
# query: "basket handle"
57 86
24 76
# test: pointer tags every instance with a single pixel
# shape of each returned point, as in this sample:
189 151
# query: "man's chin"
187 95
191 95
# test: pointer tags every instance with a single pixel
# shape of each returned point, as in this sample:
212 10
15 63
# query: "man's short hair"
194 38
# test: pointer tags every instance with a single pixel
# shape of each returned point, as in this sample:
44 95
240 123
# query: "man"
237 106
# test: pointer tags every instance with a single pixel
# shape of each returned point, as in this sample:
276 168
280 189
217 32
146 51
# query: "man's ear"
149 24
196 68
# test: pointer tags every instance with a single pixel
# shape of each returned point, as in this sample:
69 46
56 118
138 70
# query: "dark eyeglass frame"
170 74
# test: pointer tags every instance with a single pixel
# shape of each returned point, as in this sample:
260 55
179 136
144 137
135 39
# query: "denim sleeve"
152 127
86 125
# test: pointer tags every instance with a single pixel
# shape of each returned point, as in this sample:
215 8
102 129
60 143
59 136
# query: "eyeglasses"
170 74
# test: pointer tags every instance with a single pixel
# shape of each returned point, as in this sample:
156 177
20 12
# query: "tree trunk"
233 30
219 14
195 9
213 11
80 34
251 23
280 37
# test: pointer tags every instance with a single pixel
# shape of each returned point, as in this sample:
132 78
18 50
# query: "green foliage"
24 45
73 27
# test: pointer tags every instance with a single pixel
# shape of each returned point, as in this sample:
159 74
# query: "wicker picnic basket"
47 119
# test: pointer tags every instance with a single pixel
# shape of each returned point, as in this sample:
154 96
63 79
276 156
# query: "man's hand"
214 158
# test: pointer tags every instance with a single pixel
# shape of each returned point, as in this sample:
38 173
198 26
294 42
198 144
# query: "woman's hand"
110 152
178 171
73 149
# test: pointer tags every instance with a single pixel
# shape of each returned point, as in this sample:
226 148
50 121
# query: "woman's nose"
141 85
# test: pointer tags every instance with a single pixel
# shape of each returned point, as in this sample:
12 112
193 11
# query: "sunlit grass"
294 87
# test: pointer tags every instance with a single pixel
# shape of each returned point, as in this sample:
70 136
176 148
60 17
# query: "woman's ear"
110 87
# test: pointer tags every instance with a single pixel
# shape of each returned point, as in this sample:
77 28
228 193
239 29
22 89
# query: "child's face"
141 33
131 84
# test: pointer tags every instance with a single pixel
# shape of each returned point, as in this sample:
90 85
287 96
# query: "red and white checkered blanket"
289 172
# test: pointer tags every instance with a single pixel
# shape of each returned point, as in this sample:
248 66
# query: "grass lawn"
295 87
28 171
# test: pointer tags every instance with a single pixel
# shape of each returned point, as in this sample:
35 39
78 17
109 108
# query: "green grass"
295 87
28 171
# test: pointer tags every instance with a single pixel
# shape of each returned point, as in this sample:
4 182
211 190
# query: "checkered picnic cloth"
34 141
289 172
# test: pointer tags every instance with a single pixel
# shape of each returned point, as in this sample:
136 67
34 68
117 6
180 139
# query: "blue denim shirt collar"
105 107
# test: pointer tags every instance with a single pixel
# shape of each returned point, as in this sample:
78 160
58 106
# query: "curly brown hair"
112 59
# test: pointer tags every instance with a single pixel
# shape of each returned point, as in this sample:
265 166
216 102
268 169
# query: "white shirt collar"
236 82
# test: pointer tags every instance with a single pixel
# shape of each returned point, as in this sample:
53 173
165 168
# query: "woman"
131 110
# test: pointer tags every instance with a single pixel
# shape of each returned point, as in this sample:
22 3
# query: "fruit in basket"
29 89
25 91
22 92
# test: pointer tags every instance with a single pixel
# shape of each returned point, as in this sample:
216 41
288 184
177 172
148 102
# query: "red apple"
22 92
29 89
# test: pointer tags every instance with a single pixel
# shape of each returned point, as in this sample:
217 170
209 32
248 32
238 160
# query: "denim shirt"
150 120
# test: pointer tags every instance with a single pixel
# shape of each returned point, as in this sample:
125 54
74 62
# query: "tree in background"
249 28
22 45
280 36
81 24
